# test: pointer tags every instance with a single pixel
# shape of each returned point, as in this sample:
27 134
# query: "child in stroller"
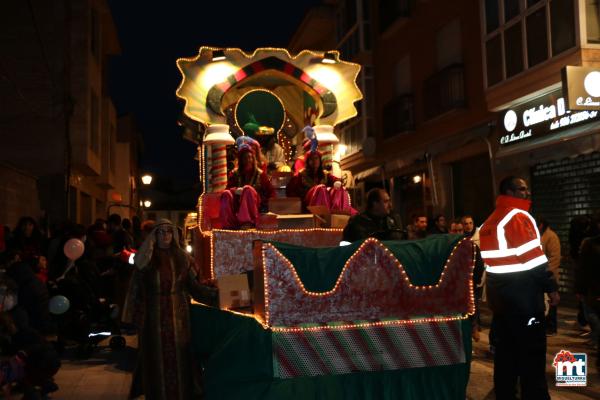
90 318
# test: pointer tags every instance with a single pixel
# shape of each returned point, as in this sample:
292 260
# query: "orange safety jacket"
509 238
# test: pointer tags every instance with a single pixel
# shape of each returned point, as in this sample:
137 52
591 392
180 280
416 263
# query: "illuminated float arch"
315 88
207 79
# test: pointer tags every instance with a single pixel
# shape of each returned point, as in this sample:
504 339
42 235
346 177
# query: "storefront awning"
564 137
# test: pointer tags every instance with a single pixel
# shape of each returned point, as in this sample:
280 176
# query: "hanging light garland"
297 329
258 234
388 253
286 144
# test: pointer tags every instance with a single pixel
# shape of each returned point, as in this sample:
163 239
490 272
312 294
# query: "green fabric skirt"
235 353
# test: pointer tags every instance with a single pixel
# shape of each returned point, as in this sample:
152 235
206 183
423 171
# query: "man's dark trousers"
520 356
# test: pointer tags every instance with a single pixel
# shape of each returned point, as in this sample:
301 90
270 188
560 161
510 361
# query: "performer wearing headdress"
252 128
317 187
248 189
158 303
300 161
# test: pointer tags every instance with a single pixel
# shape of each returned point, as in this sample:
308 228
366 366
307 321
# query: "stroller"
90 318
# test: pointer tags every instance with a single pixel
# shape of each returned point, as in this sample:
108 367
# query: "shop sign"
581 87
544 115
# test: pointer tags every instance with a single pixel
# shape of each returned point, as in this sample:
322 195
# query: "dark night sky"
143 79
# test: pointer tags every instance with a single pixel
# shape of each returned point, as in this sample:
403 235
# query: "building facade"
58 125
540 134
423 130
431 121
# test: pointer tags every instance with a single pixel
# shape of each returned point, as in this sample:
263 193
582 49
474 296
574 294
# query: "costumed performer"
274 154
159 305
299 164
252 128
317 187
248 189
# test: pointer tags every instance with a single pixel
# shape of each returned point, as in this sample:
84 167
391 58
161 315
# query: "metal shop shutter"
562 190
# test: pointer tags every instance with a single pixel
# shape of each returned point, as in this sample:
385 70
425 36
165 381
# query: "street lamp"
147 179
417 178
147 203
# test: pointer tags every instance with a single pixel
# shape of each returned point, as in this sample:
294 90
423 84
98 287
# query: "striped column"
326 150
218 172
216 139
205 167
326 139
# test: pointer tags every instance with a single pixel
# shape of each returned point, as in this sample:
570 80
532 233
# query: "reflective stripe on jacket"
509 238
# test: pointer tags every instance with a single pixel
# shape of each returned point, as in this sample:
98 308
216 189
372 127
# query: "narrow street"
107 375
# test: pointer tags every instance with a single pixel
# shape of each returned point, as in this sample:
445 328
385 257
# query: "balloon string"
70 266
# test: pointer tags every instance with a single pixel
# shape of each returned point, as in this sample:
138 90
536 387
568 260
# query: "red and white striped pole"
326 150
206 167
326 139
217 137
219 167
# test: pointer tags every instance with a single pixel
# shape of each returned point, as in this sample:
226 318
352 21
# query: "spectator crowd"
36 274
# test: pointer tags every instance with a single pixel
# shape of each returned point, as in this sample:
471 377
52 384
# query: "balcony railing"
398 116
391 10
444 91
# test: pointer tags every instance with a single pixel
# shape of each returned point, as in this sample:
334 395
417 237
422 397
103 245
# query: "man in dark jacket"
376 221
439 225
120 238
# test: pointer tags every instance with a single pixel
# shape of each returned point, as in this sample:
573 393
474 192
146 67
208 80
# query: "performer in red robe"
317 187
299 164
248 192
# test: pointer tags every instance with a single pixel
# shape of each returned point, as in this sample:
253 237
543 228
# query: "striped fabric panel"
372 348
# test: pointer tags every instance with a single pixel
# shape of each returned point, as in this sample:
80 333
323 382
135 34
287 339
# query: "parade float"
230 93
299 316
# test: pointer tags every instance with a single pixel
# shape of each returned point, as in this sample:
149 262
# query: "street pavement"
481 382
107 374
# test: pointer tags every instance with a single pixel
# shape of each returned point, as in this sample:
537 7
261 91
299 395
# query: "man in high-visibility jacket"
517 278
